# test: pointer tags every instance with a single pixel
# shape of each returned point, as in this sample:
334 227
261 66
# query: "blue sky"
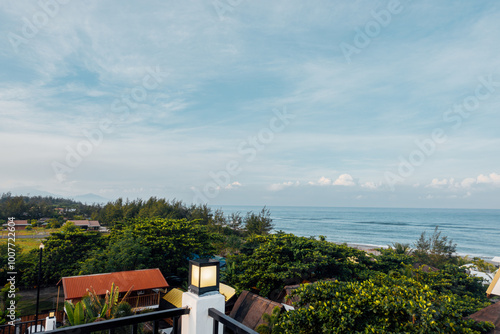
325 103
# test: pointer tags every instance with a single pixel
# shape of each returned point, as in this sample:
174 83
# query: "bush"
435 250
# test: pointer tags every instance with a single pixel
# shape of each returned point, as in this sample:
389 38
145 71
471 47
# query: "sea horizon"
475 231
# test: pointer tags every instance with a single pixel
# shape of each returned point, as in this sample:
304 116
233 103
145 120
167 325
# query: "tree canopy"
382 304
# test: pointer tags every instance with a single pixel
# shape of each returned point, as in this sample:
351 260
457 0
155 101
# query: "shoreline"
372 249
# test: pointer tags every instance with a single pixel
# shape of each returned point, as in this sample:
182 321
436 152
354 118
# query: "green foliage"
270 262
63 255
401 249
36 207
123 252
6 296
235 221
93 308
171 242
260 223
390 260
435 250
483 266
75 313
382 304
270 321
70 227
452 279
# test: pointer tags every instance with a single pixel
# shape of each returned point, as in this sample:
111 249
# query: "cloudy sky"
321 103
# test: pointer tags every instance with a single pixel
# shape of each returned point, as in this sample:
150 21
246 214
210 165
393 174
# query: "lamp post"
38 286
203 294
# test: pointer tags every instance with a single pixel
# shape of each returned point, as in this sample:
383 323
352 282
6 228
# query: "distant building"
145 286
19 224
88 224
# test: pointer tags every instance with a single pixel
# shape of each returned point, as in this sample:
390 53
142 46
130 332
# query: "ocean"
476 232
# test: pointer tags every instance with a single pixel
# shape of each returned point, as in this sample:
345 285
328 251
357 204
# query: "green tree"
63 255
382 304
123 252
172 242
270 262
260 223
434 250
70 227
234 221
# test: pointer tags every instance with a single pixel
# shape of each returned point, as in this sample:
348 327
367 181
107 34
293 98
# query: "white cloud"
324 181
370 185
344 180
493 178
233 185
468 182
281 186
436 183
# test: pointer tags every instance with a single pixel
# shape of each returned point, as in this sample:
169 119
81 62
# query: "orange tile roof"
76 286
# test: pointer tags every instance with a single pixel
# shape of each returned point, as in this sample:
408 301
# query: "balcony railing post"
216 327
155 326
229 322
199 321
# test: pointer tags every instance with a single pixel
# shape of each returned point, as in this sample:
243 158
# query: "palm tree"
401 249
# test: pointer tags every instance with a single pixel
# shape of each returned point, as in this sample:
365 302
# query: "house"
494 288
145 286
19 224
250 307
490 313
87 224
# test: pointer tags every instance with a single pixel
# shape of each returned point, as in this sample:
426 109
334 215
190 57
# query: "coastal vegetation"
417 288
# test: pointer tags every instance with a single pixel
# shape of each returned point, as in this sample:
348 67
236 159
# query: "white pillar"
198 321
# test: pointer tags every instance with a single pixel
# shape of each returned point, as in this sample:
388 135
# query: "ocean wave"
383 223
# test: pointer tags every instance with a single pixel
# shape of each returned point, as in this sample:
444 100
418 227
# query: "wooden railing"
144 300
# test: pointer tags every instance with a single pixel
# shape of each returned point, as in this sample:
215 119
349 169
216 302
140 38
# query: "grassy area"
27 244
30 240
34 232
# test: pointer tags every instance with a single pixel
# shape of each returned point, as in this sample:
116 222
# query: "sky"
235 102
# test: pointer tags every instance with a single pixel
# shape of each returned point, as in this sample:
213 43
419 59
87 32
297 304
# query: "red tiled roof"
76 286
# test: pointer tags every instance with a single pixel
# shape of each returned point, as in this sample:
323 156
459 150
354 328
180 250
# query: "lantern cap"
204 262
